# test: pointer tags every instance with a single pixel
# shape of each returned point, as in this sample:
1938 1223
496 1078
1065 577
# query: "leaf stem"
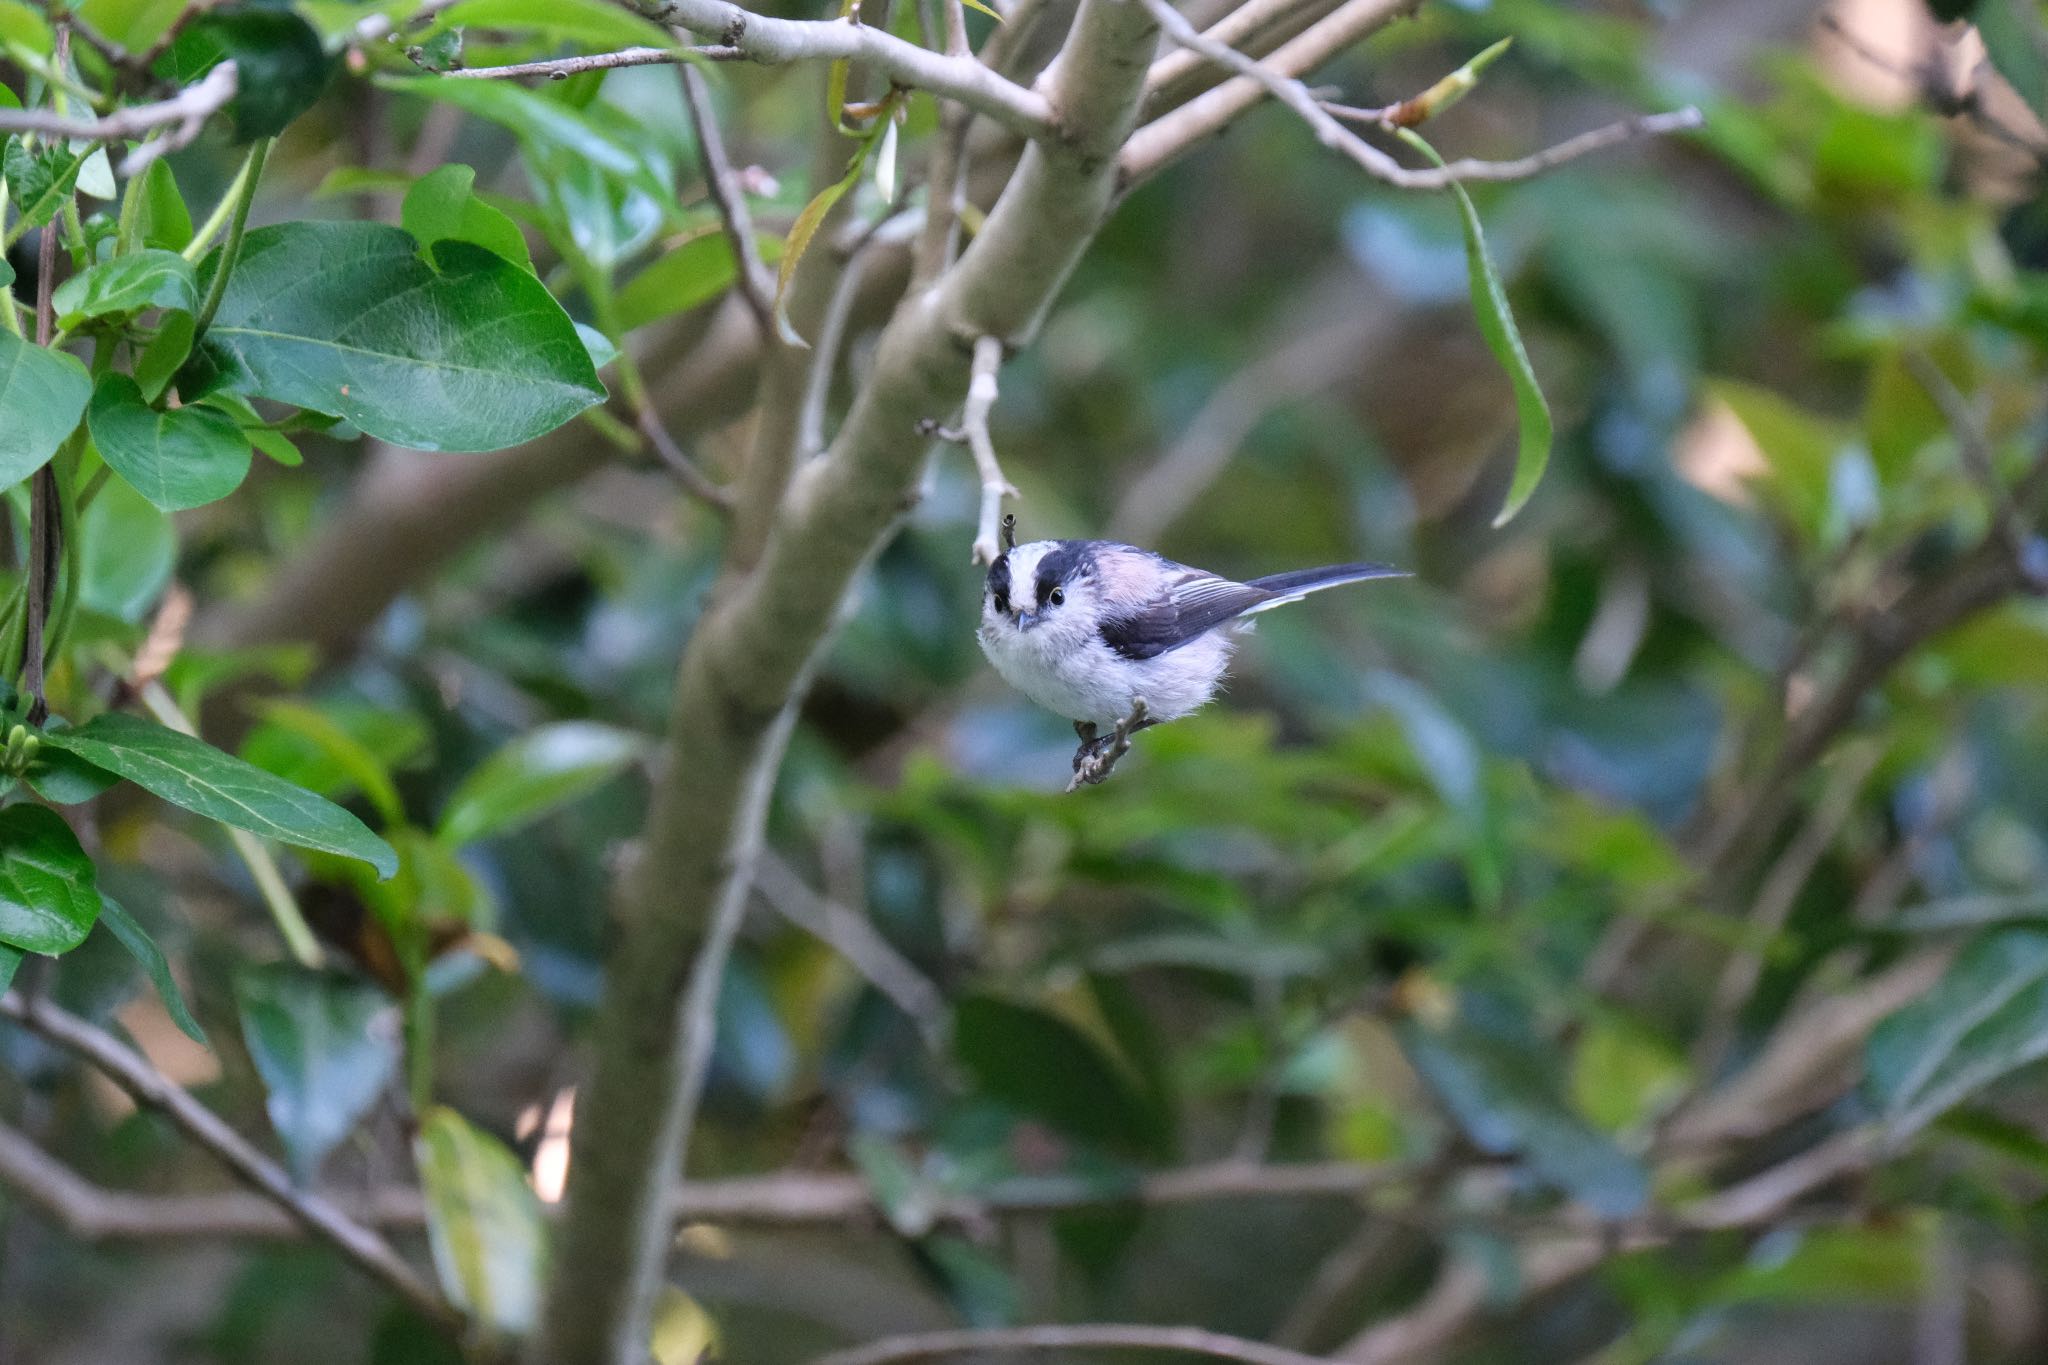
231 250
254 853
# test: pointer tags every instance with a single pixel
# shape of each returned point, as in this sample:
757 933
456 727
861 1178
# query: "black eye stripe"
999 582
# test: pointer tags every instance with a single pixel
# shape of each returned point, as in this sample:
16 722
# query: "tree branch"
1081 1337
561 68
188 110
981 398
150 1089
755 284
752 653
847 932
774 42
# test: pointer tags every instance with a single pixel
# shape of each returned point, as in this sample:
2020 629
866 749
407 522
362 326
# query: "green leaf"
691 275
802 230
326 1047
150 278
38 182
1502 1097
471 353
484 1222
191 773
532 775
280 65
594 23
544 124
161 217
130 548
165 355
326 756
42 394
48 893
64 778
186 457
1042 1066
441 206
1986 1018
10 961
143 948
1504 339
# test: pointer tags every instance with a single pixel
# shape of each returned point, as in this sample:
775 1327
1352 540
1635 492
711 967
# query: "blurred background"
1466 985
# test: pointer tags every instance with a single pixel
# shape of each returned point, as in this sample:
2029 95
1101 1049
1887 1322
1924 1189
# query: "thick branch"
773 42
751 654
149 1088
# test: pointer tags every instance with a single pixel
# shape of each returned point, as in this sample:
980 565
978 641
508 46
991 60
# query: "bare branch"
687 471
561 68
981 397
773 42
1972 446
1080 1337
755 284
184 113
847 932
149 1088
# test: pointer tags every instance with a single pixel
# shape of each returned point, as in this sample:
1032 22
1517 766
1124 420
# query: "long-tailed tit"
1088 627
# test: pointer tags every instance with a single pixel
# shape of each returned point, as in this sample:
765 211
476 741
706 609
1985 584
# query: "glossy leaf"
533 775
1500 1096
180 458
326 1047
281 67
483 1222
1986 1018
49 895
143 949
469 353
162 218
323 754
191 773
1504 339
441 206
42 395
150 278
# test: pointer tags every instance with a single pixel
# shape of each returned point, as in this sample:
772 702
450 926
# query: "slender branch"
687 471
981 397
1083 1337
561 68
185 113
1380 165
1234 29
773 42
149 1088
1973 447
847 932
755 284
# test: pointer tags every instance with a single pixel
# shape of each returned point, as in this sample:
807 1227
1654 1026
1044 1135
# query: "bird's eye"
1056 596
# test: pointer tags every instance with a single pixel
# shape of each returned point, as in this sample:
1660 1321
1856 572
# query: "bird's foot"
1098 754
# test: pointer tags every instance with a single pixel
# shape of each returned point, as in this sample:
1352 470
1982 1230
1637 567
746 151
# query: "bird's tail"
1299 583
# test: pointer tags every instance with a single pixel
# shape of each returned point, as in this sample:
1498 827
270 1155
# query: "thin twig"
1270 77
687 471
981 398
149 1088
1094 760
1079 1337
847 932
1940 97
379 26
771 41
185 112
561 68
1973 446
755 283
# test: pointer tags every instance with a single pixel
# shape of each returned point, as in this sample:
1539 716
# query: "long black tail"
1299 583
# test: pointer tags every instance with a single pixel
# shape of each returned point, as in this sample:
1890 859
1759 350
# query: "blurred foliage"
1440 885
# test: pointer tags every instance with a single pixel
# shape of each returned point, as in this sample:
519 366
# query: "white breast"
1087 680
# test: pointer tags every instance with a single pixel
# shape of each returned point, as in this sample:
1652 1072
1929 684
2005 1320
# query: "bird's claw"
1098 754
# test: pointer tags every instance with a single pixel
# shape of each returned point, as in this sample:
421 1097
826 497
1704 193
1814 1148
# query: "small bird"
1091 628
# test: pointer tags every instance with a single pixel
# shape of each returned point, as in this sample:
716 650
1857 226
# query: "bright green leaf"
533 775
544 123
65 779
346 319
130 547
48 892
484 1222
1504 339
150 278
162 218
165 354
185 457
440 206
326 1047
191 773
142 947
42 394
694 273
593 23
328 756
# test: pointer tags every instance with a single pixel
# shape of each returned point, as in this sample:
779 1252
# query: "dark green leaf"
39 181
1504 339
441 206
1502 1097
326 1047
280 65
1042 1066
143 948
149 278
164 355
345 318
1985 1018
48 893
535 773
185 457
483 1221
42 394
162 218
65 778
1948 11
191 773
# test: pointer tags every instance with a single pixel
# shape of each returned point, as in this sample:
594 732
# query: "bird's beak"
1027 619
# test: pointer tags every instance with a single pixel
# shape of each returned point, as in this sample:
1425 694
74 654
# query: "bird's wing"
1189 604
